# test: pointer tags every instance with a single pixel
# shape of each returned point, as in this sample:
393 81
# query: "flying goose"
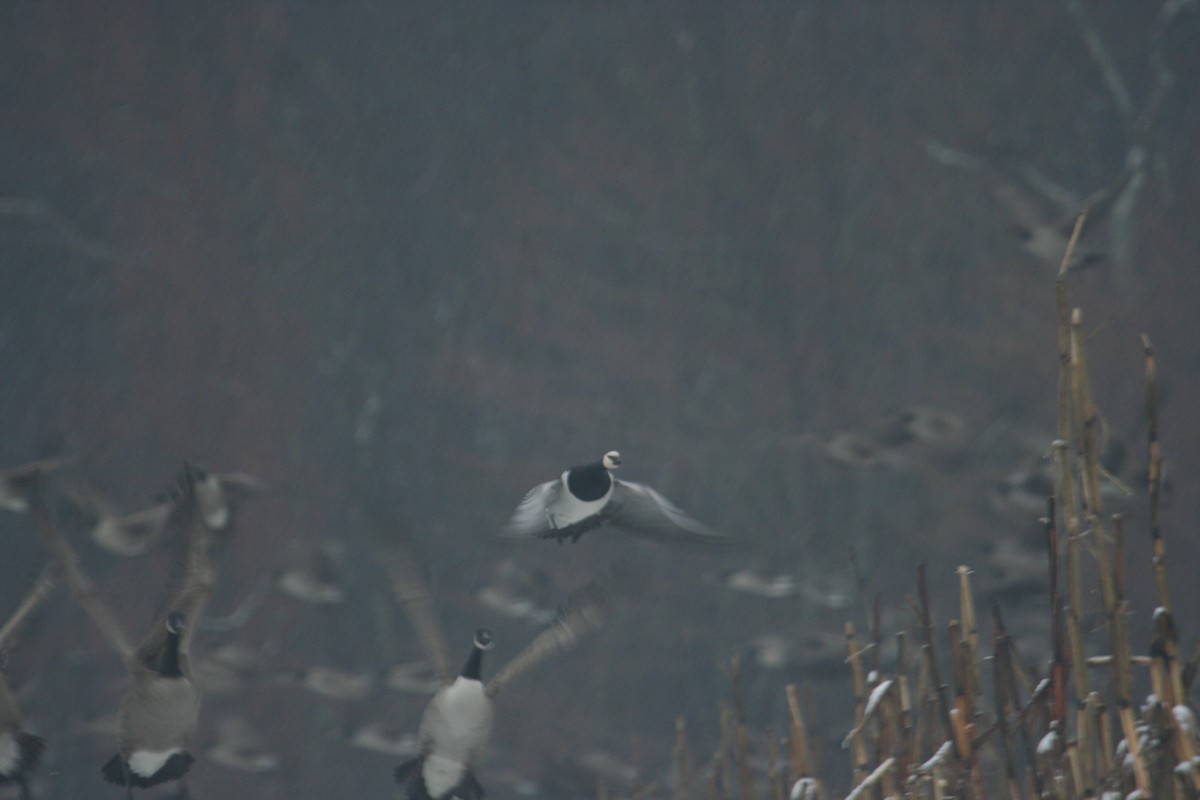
217 494
123 534
159 711
17 484
20 751
457 722
588 496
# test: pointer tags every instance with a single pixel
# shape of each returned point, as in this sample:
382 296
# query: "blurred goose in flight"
159 712
123 534
17 484
588 496
217 494
20 751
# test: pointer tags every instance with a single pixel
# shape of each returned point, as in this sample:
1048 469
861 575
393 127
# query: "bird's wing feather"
644 512
530 520
415 599
583 612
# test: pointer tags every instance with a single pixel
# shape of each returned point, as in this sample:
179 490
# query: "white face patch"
148 762
10 754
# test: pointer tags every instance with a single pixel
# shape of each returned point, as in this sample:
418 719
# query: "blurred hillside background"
422 256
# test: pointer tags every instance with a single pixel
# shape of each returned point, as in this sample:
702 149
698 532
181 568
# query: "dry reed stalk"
1122 674
801 761
970 631
1002 705
860 694
924 734
725 757
682 768
745 776
1058 663
32 598
908 743
774 777
970 698
735 680
1159 556
1085 411
926 623
1006 669
1104 734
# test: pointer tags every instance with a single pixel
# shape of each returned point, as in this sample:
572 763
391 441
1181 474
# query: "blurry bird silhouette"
17 484
123 534
317 574
218 493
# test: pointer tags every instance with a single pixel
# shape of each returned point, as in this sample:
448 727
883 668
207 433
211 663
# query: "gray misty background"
419 257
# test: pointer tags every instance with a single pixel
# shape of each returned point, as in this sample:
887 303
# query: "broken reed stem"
801 761
860 695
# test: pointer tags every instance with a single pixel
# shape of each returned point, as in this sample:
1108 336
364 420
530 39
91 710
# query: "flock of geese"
160 710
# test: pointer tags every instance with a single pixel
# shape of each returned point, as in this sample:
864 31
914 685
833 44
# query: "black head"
483 641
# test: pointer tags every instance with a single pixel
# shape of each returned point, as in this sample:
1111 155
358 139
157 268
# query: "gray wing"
644 512
530 520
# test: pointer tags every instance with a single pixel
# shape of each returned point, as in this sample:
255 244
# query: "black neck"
471 669
169 666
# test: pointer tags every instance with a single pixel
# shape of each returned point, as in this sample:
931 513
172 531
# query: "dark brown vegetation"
952 713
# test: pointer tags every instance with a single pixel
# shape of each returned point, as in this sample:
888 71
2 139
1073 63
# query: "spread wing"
531 520
583 612
643 512
415 600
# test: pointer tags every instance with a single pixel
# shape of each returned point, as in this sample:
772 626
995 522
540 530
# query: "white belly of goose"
148 762
457 725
